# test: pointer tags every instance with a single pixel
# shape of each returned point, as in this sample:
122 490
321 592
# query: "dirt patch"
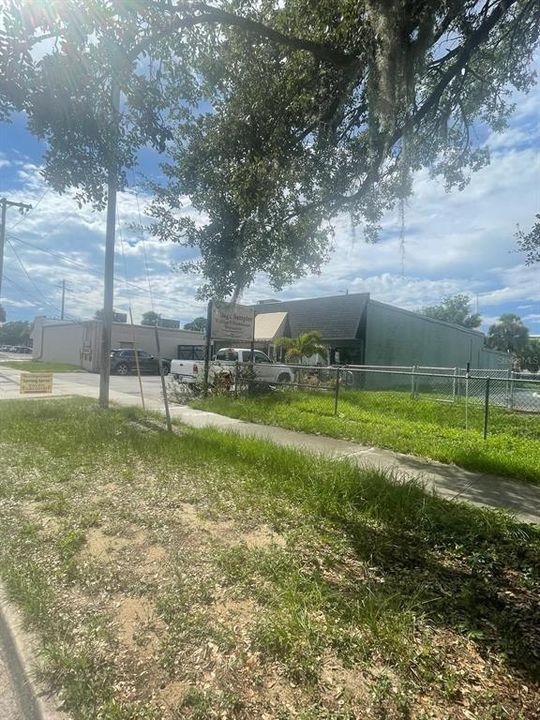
137 622
37 515
227 532
110 489
262 537
99 545
171 696
237 614
139 631
154 554
337 681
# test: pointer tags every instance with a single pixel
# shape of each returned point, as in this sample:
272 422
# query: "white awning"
269 326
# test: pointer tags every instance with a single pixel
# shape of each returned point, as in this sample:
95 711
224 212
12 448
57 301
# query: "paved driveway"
122 388
126 384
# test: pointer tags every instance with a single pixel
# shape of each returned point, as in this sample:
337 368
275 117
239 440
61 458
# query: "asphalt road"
127 384
122 388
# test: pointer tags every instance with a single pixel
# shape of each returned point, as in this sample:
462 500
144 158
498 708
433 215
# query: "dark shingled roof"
336 317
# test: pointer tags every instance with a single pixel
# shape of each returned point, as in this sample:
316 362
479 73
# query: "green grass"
38 366
284 585
394 420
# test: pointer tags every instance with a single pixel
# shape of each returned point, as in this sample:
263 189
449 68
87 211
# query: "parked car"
123 362
190 371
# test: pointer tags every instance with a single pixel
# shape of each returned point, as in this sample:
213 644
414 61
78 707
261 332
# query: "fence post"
512 389
467 378
336 398
486 408
454 384
413 381
236 378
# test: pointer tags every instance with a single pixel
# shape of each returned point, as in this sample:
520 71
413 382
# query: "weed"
160 587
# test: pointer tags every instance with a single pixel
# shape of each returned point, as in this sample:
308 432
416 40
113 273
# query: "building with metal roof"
361 331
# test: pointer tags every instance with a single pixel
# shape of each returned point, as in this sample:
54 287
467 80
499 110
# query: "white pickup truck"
192 371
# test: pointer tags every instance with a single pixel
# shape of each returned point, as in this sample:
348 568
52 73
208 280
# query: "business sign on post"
231 321
36 383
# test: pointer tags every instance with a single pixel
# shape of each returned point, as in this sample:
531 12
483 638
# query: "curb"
20 648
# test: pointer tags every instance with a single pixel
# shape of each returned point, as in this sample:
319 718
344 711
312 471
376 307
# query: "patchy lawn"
393 420
203 575
37 366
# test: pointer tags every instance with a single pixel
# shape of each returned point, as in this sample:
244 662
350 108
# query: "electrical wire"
23 268
91 271
38 303
29 211
43 299
143 243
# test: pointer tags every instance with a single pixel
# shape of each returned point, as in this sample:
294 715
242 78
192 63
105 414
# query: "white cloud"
458 242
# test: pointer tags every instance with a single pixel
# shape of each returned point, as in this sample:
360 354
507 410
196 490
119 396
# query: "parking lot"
85 384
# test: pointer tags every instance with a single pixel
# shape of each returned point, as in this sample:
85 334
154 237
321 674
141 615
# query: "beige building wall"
80 343
61 343
143 337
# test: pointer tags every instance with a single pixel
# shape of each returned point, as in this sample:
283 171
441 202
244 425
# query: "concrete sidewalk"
448 481
9 707
22 697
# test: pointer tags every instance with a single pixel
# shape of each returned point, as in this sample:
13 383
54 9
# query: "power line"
26 296
38 303
5 203
44 300
33 207
23 268
30 280
91 271
46 285
143 243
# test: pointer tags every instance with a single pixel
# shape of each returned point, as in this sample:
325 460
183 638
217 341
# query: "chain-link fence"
483 401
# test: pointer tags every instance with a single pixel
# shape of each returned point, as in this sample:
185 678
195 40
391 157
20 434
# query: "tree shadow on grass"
468 570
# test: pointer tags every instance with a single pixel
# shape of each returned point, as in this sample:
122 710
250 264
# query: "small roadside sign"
36 383
231 321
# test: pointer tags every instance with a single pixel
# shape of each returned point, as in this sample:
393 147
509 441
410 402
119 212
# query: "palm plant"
303 346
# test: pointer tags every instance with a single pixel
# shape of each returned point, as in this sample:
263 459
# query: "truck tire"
284 378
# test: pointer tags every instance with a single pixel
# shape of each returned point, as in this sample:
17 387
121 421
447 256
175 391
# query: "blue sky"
458 242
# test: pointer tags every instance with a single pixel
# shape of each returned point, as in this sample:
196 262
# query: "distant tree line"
16 332
508 334
454 309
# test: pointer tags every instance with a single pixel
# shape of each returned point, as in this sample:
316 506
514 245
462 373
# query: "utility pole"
108 292
5 204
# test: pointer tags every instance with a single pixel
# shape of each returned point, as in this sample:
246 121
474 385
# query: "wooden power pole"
5 204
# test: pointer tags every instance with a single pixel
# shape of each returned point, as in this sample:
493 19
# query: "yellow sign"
36 383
